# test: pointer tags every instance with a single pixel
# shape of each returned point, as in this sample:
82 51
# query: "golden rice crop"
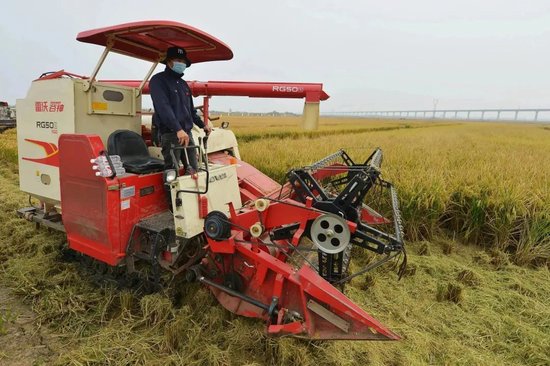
8 146
484 183
250 128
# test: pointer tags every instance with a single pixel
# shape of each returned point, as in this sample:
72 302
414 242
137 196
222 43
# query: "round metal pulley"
256 230
261 204
330 233
217 226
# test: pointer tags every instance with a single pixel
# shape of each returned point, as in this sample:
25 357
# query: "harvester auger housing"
286 251
265 250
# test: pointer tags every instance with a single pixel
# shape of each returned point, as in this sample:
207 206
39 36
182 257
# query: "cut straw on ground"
458 304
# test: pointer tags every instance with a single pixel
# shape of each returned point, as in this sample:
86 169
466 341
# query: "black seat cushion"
133 152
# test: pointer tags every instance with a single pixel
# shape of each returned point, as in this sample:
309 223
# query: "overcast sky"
370 55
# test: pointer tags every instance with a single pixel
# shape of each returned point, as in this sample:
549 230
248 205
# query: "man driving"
174 110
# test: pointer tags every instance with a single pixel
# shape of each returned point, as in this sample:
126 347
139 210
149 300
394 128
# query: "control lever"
205 156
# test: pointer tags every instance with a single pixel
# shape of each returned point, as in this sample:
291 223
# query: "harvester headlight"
170 175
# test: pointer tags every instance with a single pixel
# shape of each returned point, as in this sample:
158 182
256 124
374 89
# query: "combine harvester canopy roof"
149 40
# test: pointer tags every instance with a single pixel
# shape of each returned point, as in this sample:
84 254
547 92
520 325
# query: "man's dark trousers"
169 139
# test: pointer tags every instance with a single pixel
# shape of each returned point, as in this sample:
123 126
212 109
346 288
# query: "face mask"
179 67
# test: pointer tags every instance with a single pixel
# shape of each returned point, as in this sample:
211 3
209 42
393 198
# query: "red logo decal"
51 150
45 106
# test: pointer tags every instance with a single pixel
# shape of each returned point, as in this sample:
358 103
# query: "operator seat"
133 152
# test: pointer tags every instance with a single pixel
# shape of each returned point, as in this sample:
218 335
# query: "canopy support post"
88 83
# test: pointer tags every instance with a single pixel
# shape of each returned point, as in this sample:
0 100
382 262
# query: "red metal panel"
90 209
99 213
140 205
147 40
293 289
265 277
312 92
363 326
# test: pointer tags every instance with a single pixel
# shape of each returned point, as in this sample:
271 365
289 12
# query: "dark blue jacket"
173 102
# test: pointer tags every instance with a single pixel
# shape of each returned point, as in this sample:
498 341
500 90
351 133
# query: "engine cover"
223 188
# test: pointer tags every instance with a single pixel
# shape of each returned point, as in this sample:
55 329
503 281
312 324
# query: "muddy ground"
22 342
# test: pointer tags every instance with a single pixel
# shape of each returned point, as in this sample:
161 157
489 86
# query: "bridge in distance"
520 114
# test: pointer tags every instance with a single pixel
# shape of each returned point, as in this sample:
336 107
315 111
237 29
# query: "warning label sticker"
124 205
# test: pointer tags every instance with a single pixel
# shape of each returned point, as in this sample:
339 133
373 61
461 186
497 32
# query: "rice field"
476 205
486 184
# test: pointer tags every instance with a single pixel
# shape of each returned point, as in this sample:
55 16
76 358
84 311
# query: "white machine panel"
62 105
223 188
46 113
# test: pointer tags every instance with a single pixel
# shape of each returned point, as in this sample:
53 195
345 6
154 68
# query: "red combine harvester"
7 117
265 250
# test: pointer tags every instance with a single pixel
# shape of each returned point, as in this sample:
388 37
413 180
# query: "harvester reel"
330 233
